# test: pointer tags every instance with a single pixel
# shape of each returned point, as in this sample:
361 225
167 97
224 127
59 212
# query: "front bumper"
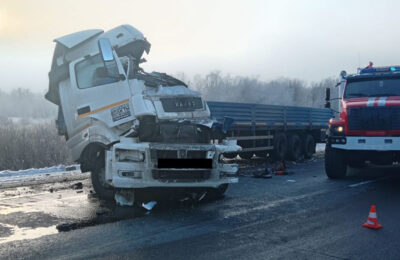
145 173
365 143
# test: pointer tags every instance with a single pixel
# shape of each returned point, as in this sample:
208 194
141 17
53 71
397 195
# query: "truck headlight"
336 130
122 155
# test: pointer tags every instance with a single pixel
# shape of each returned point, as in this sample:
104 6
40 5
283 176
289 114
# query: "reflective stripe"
102 108
382 101
372 214
370 222
370 102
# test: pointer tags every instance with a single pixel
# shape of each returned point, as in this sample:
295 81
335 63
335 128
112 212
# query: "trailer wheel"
280 146
335 163
308 146
295 149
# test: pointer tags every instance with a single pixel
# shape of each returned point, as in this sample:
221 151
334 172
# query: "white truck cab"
132 129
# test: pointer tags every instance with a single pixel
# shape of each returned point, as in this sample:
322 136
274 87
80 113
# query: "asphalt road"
299 216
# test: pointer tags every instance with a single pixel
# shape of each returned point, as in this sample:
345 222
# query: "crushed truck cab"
129 128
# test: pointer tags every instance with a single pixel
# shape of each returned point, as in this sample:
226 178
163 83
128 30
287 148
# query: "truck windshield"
373 88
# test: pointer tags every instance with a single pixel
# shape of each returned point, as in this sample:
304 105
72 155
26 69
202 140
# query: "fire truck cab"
367 128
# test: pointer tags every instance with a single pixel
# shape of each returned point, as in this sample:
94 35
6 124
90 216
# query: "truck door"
94 94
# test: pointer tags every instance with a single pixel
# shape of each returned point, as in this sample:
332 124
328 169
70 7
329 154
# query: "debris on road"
202 196
149 205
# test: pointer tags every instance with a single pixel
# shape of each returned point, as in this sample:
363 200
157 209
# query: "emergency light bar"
380 69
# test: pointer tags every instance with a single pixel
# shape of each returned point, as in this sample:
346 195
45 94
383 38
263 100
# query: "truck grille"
184 104
374 118
181 175
173 154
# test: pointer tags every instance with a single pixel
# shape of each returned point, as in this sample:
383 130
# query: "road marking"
367 182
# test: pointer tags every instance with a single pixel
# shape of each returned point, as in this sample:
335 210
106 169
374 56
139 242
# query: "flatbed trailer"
280 132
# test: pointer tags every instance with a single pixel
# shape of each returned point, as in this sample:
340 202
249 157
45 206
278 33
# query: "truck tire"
357 164
94 161
295 148
335 163
102 189
308 146
280 147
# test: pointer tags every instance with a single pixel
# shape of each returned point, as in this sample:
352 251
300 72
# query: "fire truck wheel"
295 149
308 146
335 163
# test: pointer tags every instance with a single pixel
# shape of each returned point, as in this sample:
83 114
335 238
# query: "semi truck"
133 130
367 126
272 131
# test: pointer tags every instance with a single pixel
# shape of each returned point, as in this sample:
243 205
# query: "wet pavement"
302 215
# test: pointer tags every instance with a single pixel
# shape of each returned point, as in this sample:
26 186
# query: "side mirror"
106 50
327 98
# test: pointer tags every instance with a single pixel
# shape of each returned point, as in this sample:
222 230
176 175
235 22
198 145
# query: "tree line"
28 135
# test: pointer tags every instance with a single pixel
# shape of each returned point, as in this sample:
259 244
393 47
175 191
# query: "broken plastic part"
149 205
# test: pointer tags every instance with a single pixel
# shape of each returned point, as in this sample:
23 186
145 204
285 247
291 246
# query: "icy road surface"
299 216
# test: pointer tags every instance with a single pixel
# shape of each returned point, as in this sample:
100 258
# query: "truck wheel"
357 164
280 146
335 163
94 161
308 146
102 189
295 148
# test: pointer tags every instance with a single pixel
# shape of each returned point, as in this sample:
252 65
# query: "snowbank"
8 175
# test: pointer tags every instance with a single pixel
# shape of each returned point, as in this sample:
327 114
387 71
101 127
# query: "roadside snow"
8 175
320 147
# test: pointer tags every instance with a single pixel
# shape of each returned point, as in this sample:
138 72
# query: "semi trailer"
367 126
279 132
134 131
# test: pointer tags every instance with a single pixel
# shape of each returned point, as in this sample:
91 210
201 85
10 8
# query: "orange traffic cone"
372 221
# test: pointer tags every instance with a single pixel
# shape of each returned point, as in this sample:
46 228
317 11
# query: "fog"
309 40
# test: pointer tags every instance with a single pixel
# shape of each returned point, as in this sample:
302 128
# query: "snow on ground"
8 175
320 147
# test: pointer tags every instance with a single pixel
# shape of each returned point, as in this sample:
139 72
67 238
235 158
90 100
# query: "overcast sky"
309 40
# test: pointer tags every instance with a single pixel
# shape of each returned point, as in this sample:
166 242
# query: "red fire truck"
368 126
